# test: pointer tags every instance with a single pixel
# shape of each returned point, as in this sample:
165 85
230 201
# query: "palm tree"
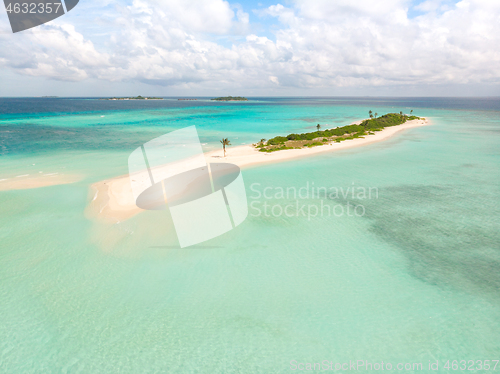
225 141
401 114
411 112
376 114
262 141
371 114
318 126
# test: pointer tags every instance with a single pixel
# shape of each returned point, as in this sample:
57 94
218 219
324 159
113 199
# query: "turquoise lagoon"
413 279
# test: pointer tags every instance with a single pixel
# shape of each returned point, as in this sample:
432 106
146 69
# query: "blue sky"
293 47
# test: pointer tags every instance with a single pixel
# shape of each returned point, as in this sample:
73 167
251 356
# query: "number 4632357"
33 7
471 365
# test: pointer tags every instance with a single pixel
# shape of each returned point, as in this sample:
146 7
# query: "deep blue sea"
411 277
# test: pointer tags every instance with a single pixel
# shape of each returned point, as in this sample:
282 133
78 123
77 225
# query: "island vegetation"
133 98
230 98
338 134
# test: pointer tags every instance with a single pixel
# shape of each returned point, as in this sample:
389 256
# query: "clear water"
414 279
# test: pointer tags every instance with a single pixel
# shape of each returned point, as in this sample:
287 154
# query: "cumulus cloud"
213 16
317 44
75 58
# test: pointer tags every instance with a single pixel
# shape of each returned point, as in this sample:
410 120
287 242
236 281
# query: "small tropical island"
113 193
133 98
338 134
230 98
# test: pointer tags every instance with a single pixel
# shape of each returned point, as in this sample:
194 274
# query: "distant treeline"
230 98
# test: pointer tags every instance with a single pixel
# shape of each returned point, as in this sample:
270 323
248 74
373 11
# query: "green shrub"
277 140
368 126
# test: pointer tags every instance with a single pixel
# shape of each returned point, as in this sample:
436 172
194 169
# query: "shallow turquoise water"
414 279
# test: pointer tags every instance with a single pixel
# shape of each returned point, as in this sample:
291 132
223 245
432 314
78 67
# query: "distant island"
187 99
339 134
133 98
230 98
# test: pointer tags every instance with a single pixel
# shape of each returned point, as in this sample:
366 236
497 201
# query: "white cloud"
33 54
328 10
435 6
213 16
319 44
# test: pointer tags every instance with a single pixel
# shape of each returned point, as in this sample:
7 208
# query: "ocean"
387 254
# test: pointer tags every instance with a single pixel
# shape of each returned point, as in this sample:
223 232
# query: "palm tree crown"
225 141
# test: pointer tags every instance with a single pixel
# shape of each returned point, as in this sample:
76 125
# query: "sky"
257 48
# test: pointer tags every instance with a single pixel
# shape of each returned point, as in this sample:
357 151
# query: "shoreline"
112 200
31 181
248 155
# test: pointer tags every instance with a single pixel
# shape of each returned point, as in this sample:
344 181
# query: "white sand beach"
112 200
248 155
38 180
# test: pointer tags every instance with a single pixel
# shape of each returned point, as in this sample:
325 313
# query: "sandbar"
112 200
30 181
